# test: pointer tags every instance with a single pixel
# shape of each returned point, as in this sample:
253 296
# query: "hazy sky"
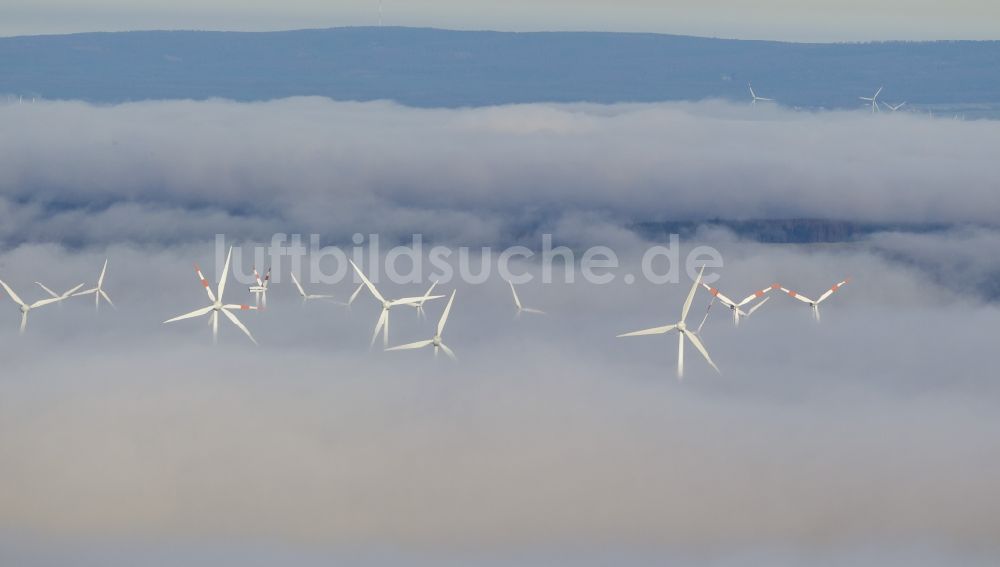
796 20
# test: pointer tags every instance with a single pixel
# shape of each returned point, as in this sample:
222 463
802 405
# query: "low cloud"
478 175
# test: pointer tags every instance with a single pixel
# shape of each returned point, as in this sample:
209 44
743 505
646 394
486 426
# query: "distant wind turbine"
815 304
98 291
260 289
682 332
894 108
217 306
383 318
25 307
873 100
737 307
420 305
436 342
517 303
755 98
308 296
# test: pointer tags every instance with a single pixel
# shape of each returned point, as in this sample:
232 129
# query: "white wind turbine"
217 306
436 342
98 291
682 332
815 304
383 318
755 98
308 296
25 307
260 289
737 307
873 100
896 107
517 303
420 305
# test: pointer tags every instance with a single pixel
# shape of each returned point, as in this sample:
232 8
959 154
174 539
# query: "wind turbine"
815 304
260 290
682 332
307 296
420 305
436 341
737 307
383 318
894 108
873 100
217 306
99 290
517 303
755 98
25 308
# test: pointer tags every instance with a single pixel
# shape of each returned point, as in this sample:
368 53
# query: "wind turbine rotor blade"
295 280
447 310
448 352
100 279
831 291
191 315
757 306
11 293
24 322
755 295
690 297
413 300
721 296
798 296
240 307
44 302
47 290
256 277
355 294
367 283
653 331
205 284
705 318
85 292
430 289
878 92
535 311
378 326
701 348
108 299
517 300
239 325
225 273
71 292
411 346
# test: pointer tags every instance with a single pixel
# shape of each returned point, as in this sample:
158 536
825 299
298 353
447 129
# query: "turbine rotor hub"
682 326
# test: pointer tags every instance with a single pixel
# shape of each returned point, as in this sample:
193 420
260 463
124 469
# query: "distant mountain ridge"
431 67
